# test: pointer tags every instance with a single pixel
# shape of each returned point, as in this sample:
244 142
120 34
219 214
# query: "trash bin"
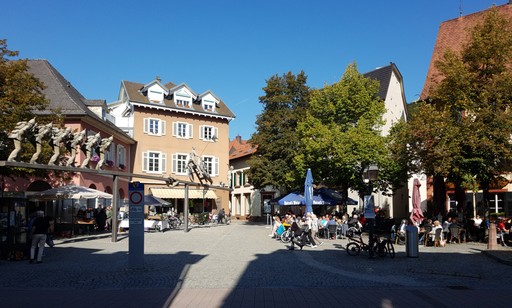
411 241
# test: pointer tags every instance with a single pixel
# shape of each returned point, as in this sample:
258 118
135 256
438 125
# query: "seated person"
277 224
426 226
502 231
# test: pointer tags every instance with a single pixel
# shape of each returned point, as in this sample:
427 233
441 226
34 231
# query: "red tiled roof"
452 35
240 148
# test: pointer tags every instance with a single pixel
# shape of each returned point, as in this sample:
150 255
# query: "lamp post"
370 174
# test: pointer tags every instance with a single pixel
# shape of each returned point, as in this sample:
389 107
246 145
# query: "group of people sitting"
327 226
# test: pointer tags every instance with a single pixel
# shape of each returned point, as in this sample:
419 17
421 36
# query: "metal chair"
454 234
332 232
437 237
426 234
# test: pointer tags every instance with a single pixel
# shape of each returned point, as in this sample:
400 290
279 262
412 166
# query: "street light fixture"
370 174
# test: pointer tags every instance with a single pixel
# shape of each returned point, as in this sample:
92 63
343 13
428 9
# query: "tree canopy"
340 135
284 104
462 132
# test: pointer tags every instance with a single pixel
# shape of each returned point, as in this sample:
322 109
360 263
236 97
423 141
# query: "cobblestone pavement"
239 265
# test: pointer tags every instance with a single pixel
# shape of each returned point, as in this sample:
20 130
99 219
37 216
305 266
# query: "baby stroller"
354 227
298 236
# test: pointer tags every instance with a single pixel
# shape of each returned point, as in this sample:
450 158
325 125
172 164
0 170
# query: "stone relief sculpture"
89 147
43 132
59 136
103 146
93 146
72 144
23 130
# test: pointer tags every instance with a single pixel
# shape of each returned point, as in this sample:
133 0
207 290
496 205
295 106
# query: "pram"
298 236
354 228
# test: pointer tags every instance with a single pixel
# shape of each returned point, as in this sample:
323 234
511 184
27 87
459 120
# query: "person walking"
39 232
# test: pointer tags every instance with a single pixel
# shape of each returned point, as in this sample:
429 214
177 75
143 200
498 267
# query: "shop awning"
179 193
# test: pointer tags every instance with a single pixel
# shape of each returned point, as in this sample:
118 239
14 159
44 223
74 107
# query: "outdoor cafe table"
86 224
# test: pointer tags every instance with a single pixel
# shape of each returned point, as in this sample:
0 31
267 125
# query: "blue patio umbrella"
290 199
308 192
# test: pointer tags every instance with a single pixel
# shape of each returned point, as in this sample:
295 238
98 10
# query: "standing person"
108 212
39 231
221 215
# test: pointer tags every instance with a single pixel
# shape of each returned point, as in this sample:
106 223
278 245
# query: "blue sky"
227 46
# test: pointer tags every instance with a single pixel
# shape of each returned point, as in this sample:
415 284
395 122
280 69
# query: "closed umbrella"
308 192
416 213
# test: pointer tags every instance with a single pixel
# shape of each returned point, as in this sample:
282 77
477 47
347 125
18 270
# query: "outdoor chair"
437 237
332 231
454 234
426 235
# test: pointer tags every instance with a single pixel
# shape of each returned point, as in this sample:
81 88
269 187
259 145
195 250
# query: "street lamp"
370 174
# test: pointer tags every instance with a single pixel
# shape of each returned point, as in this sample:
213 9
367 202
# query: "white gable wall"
395 105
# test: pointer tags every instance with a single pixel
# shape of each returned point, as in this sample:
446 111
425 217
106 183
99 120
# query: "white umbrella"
70 192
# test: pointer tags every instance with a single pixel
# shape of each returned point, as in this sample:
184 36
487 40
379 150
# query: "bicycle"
378 247
174 222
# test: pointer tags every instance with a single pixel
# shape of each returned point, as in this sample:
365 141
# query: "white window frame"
211 164
188 130
121 155
158 160
209 105
154 127
179 163
213 131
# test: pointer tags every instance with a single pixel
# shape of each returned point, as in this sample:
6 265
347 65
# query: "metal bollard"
411 241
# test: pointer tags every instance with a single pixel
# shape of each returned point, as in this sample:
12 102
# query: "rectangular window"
211 164
179 163
121 156
208 132
182 130
182 103
154 127
153 162
208 106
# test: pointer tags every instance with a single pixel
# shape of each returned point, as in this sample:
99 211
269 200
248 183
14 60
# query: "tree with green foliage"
21 98
462 133
340 135
276 140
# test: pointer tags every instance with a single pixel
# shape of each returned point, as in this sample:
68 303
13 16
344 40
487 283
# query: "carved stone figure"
59 136
88 148
72 144
103 146
23 130
43 132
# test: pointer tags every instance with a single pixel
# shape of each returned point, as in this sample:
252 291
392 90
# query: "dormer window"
209 106
182 103
155 96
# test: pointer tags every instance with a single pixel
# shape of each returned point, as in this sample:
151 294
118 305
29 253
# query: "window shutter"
201 131
146 125
163 127
174 128
216 167
174 163
164 163
145 161
190 131
215 132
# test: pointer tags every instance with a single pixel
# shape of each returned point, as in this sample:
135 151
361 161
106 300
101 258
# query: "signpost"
136 225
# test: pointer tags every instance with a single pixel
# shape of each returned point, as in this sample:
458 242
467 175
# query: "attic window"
182 103
208 105
155 96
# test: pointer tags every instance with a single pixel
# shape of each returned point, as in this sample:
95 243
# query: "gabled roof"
183 85
240 148
453 34
65 98
136 96
158 82
383 75
206 93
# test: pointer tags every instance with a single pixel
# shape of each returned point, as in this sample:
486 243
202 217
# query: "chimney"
158 78
239 138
